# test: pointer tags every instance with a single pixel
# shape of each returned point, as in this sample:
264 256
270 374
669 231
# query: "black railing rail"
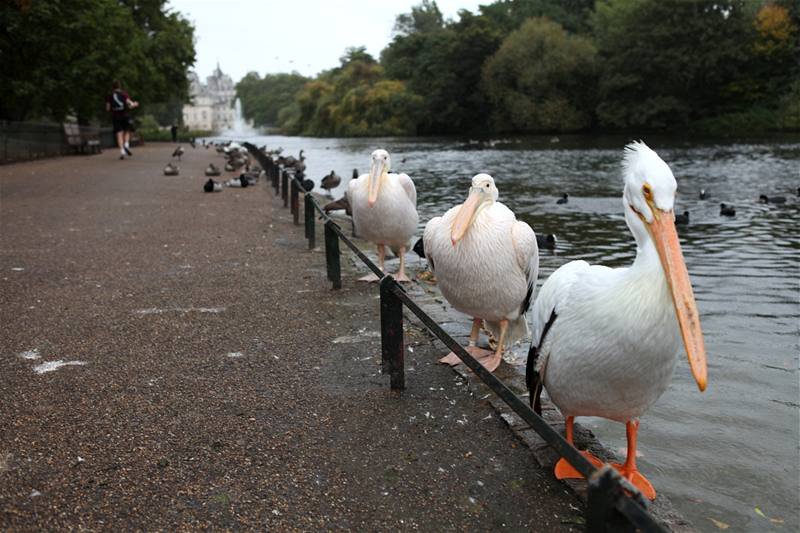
613 503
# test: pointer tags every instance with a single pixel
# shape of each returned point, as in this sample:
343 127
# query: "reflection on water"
719 454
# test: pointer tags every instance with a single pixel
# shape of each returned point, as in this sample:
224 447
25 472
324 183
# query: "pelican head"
378 171
649 208
482 193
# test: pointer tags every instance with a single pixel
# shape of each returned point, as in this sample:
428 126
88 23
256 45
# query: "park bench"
81 142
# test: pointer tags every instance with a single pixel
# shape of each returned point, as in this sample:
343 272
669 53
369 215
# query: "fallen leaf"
776 520
760 513
720 525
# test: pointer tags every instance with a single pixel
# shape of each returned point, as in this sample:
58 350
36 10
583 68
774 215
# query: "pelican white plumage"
384 210
605 341
486 263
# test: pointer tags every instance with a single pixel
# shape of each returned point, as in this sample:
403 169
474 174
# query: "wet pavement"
173 359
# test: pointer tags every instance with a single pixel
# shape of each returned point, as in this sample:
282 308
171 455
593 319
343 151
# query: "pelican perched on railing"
384 210
486 262
605 341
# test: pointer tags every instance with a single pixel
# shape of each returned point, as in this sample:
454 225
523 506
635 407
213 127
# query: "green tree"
442 64
665 63
59 57
263 98
352 99
541 79
509 15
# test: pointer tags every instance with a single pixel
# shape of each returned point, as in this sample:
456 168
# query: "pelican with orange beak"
605 341
384 209
486 263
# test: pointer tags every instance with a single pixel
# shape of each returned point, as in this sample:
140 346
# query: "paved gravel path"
209 378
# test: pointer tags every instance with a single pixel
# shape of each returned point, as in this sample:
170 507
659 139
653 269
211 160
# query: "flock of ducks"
605 340
237 162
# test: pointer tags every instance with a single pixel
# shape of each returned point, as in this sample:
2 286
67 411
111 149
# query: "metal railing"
613 503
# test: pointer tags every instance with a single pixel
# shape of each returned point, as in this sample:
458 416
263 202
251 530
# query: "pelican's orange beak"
465 215
375 178
665 238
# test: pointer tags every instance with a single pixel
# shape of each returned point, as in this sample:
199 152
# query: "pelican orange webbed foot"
478 353
401 274
628 469
372 277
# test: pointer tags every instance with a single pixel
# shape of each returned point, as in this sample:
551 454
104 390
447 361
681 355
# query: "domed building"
211 106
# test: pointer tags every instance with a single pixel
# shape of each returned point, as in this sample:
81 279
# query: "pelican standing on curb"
486 263
606 340
384 210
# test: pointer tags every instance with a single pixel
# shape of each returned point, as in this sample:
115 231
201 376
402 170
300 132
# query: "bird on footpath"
239 181
212 170
727 210
703 194
384 208
606 340
682 220
764 199
341 203
486 263
212 186
564 199
178 152
331 181
171 170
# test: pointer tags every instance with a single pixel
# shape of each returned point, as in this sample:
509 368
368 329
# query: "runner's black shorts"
122 124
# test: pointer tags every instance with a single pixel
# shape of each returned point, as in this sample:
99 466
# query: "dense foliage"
59 57
713 66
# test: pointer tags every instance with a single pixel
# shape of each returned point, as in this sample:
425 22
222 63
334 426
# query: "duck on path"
331 181
727 210
212 170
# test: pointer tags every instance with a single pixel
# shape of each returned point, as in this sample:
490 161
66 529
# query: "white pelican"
486 263
384 210
606 340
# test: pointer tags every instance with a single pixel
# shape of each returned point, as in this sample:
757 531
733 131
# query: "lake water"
729 454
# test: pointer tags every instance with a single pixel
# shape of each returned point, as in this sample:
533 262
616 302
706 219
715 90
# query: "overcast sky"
284 35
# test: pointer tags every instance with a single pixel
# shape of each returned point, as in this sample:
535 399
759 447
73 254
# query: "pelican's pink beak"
464 216
665 238
375 177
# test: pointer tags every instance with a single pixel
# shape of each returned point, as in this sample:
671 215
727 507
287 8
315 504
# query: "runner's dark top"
118 102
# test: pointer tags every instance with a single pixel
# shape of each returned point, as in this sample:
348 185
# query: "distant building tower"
211 106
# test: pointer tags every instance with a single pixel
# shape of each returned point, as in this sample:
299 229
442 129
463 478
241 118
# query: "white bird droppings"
17 269
235 354
34 494
157 311
361 337
50 366
30 354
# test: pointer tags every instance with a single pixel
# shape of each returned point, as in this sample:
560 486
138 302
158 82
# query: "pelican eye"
648 192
